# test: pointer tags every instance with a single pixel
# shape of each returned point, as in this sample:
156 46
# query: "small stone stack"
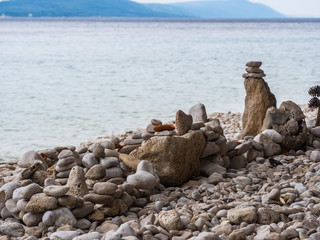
253 70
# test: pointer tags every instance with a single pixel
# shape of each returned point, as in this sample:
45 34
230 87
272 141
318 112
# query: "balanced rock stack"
258 99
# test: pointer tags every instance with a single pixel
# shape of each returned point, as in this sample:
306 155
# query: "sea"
65 81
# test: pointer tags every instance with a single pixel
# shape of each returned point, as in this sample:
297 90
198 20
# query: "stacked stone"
67 159
257 101
213 157
253 70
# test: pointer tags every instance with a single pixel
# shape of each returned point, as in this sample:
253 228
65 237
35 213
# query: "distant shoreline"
159 19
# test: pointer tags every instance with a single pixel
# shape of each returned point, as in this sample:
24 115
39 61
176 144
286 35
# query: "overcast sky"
301 8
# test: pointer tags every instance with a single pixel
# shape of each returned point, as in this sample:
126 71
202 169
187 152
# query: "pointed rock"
198 113
76 182
259 98
183 122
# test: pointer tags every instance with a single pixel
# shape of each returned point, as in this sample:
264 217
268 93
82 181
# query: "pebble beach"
195 177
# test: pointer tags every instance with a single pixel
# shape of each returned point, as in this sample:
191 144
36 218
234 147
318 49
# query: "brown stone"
40 202
128 148
183 122
118 207
39 177
129 161
96 172
254 70
254 64
70 201
253 75
160 128
98 199
51 172
176 159
259 98
97 215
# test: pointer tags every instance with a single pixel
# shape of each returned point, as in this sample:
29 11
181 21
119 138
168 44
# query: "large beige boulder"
258 99
176 159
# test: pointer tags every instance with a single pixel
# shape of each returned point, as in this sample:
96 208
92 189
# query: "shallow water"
64 82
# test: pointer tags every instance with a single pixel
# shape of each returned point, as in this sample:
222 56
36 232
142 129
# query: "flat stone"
197 125
242 214
111 153
165 127
156 122
105 188
254 70
81 149
143 180
129 141
254 64
84 224
114 172
12 229
85 210
89 236
109 162
98 199
253 75
110 145
96 172
40 202
66 167
65 235
243 148
56 191
70 201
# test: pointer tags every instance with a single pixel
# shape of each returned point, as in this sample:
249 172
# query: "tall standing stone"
258 99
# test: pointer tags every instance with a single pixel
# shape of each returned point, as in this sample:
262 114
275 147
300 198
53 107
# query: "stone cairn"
179 180
258 99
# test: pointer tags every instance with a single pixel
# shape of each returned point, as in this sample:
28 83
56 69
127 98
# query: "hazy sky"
301 8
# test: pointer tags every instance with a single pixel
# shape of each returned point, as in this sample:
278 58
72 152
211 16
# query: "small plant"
315 102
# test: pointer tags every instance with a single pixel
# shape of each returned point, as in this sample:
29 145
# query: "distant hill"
219 9
78 8
126 8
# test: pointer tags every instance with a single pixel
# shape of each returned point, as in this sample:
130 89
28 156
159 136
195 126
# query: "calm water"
64 82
